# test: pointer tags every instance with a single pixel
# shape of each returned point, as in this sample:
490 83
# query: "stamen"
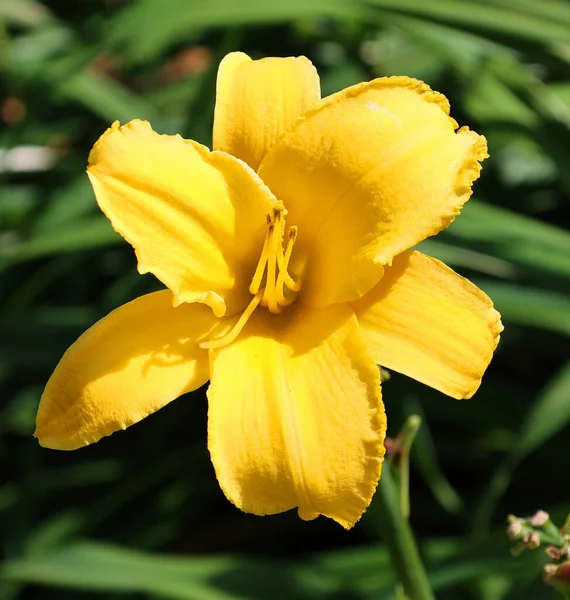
284 278
273 264
281 223
236 330
260 269
275 247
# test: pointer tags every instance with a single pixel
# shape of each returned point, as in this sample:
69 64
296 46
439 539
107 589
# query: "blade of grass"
89 233
533 307
425 459
184 19
106 568
385 513
485 17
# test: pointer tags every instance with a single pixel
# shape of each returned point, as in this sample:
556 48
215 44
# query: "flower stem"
399 539
406 439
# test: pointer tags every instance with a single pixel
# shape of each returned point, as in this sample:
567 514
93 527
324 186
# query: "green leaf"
106 97
66 206
500 239
514 237
88 233
554 11
465 258
106 568
530 306
486 17
426 460
173 21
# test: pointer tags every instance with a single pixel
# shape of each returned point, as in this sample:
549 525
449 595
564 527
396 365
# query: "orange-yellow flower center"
272 286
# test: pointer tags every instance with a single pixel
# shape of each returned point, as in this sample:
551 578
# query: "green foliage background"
140 514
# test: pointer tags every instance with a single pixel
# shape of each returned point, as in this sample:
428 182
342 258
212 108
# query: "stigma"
271 286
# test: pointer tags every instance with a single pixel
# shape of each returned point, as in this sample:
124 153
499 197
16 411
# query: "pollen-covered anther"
280 289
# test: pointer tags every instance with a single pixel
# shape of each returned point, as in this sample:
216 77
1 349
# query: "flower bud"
548 573
539 518
514 530
561 579
554 552
558 576
532 540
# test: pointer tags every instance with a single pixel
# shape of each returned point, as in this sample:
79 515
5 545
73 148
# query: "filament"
229 337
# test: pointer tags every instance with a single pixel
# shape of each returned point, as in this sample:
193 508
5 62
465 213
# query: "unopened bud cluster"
539 530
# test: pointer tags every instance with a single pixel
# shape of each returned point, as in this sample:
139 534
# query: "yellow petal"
257 100
365 174
296 417
195 218
426 321
139 358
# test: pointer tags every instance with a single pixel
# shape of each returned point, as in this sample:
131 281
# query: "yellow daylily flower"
285 252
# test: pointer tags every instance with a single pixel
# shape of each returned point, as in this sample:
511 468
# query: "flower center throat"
279 289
